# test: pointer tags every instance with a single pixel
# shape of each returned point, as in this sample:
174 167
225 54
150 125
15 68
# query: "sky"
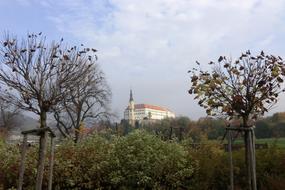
148 46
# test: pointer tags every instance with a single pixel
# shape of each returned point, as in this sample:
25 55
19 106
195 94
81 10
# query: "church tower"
131 110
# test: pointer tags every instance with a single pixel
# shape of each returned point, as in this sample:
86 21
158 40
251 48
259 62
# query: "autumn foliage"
245 88
142 161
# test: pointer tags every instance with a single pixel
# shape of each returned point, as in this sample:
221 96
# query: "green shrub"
213 167
10 164
83 165
141 160
210 170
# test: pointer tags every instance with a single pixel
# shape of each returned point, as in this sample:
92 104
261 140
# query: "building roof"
131 95
148 106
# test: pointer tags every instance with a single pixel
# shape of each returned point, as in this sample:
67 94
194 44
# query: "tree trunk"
77 135
51 162
247 158
42 150
252 159
78 126
23 159
117 129
170 134
247 153
180 134
60 130
231 160
249 141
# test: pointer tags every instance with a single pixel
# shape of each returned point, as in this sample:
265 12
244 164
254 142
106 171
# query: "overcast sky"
149 45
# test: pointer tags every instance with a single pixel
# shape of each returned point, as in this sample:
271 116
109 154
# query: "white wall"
140 114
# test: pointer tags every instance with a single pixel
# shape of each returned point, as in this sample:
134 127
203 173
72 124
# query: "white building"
138 112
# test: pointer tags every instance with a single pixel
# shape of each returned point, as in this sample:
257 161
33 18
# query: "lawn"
280 142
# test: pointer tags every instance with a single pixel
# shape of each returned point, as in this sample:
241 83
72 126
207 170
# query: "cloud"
24 2
151 44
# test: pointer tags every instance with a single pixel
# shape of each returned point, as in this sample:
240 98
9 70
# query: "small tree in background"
87 102
8 116
245 88
36 77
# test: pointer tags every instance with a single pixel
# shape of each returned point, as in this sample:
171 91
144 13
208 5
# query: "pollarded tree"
36 77
88 102
244 88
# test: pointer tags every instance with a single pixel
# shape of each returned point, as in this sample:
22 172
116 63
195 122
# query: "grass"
280 142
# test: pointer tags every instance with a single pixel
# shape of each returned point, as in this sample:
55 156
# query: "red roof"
142 106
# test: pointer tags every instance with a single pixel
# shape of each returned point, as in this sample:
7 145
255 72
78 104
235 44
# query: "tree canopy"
36 76
245 88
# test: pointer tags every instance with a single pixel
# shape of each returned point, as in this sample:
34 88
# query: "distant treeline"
210 128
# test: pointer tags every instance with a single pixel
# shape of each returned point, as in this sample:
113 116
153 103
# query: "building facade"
138 112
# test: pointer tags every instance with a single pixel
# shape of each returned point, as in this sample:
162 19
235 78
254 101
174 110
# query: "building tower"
131 110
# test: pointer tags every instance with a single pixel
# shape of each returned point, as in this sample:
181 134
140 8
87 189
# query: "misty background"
150 45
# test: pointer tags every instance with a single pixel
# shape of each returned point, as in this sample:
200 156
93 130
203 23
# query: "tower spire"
131 95
131 109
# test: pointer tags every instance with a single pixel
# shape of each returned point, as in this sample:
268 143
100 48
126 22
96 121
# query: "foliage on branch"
244 88
36 76
137 161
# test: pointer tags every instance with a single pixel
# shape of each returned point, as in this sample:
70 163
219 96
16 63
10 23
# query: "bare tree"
36 77
87 102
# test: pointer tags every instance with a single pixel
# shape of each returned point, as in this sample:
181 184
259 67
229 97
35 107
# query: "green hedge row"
142 161
137 161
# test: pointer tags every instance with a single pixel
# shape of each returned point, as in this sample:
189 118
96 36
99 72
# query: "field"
280 142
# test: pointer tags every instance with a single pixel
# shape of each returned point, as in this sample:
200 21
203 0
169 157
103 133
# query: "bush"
213 167
211 171
270 168
142 161
83 165
139 160
10 164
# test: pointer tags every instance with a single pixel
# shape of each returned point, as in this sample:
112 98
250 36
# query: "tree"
277 117
8 113
263 129
169 128
213 128
88 101
245 88
180 125
36 77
